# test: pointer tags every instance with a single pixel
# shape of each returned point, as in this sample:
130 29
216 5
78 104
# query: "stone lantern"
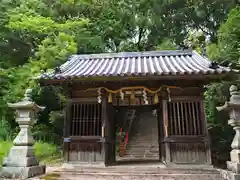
21 161
233 107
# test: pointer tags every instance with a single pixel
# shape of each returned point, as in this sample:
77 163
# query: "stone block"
21 151
229 175
22 172
233 166
20 161
235 155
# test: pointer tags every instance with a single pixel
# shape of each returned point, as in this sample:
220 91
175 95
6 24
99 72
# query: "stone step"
138 158
136 177
143 141
142 149
135 157
130 172
139 147
141 153
146 140
142 145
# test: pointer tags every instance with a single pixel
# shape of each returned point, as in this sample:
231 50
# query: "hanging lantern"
156 100
110 98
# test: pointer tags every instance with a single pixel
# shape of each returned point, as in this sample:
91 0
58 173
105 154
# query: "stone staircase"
133 172
143 143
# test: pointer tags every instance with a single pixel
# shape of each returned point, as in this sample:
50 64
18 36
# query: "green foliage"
229 37
167 44
54 50
221 133
213 51
5 131
4 149
45 152
208 15
57 122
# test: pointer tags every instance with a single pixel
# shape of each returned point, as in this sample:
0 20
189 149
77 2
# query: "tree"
227 51
229 37
208 15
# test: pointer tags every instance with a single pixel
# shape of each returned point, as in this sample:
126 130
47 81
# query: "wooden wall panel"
85 152
185 126
185 118
82 142
189 152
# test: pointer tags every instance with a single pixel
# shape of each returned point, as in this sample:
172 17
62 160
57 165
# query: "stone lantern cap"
234 102
26 103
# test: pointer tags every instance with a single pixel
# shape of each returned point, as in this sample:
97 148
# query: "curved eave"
208 78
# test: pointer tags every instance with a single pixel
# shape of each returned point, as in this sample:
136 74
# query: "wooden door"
110 134
185 133
83 131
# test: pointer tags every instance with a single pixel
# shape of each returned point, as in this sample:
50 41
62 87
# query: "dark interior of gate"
137 133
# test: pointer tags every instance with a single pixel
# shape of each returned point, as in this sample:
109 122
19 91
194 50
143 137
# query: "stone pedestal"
21 161
233 106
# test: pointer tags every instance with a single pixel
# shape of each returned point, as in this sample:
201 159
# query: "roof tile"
158 63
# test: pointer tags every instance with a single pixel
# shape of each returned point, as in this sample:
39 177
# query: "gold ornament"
132 97
135 88
110 97
156 100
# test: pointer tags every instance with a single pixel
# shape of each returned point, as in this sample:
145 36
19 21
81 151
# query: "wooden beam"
206 78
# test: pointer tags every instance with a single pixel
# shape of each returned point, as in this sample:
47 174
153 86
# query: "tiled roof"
152 63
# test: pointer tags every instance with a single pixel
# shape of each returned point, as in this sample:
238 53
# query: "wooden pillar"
109 133
66 132
205 131
165 127
104 121
67 121
161 133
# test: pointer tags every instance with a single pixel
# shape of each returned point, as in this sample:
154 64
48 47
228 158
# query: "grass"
46 153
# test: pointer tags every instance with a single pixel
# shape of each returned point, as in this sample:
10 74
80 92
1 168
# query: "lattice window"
85 119
184 118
